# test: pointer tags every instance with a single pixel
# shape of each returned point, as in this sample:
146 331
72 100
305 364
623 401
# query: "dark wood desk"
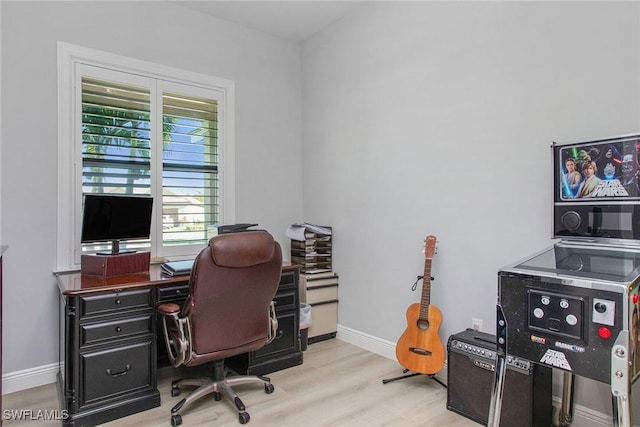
110 349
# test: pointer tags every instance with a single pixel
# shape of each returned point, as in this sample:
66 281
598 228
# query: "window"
131 127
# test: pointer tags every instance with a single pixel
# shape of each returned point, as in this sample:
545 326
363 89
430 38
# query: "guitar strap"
415 284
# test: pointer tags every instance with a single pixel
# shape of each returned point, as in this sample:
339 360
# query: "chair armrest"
168 309
273 323
177 333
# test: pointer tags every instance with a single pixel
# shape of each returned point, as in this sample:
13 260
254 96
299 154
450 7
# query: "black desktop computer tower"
471 360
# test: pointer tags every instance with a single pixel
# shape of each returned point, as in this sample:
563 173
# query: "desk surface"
75 283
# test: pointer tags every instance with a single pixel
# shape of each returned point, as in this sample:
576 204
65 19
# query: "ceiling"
291 20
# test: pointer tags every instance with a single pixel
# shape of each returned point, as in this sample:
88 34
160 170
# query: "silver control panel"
485 358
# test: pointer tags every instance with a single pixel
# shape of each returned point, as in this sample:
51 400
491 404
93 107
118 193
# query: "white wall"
267 75
436 118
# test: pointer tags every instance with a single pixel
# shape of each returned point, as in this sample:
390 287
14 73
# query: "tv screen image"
115 218
605 170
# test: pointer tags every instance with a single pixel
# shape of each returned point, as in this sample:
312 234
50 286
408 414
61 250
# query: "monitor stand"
115 249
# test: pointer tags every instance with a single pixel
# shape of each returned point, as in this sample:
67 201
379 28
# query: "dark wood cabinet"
284 351
108 369
111 343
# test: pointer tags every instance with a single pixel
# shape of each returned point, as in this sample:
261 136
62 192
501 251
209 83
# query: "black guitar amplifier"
471 370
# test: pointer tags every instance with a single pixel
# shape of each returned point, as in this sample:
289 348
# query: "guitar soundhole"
423 324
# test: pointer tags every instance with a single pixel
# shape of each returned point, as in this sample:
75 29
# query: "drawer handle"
280 334
119 374
118 329
118 301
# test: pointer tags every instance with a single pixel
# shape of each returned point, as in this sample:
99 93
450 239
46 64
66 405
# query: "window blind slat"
190 167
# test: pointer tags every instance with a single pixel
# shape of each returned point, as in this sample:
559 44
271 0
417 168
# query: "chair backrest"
233 282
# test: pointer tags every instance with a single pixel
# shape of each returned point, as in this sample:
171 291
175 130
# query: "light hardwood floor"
337 385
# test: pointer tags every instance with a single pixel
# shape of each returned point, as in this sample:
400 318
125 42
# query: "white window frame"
69 142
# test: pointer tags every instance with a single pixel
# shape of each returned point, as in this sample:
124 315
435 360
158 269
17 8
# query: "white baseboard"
368 342
29 378
582 415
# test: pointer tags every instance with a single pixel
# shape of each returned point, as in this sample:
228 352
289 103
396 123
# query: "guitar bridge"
420 351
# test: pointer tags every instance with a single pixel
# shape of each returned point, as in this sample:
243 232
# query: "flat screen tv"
109 218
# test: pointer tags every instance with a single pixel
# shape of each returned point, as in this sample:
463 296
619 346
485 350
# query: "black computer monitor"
115 218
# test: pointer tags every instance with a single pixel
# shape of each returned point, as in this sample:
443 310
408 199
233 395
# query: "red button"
634 298
604 332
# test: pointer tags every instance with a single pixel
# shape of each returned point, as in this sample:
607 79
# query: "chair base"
218 385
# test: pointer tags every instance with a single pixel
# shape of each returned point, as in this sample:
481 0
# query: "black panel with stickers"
555 314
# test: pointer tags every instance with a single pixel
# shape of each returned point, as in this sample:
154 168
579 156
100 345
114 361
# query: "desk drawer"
288 280
285 301
106 303
322 294
324 319
174 293
93 333
111 372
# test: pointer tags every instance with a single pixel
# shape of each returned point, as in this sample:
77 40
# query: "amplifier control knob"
538 313
572 320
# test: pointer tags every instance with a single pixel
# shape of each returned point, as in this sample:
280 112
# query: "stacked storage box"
313 253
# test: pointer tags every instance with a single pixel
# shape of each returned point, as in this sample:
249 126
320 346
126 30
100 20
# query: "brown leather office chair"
229 311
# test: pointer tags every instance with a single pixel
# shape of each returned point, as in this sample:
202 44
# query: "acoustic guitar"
419 349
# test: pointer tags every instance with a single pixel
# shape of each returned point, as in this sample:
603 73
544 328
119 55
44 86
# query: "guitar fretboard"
425 300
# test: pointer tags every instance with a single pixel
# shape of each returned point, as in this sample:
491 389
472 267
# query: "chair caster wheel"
243 417
217 396
268 388
175 391
176 420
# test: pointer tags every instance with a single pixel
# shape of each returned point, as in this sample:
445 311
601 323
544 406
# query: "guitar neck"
425 300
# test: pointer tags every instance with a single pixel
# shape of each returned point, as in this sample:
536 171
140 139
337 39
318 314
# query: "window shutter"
189 169
116 141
